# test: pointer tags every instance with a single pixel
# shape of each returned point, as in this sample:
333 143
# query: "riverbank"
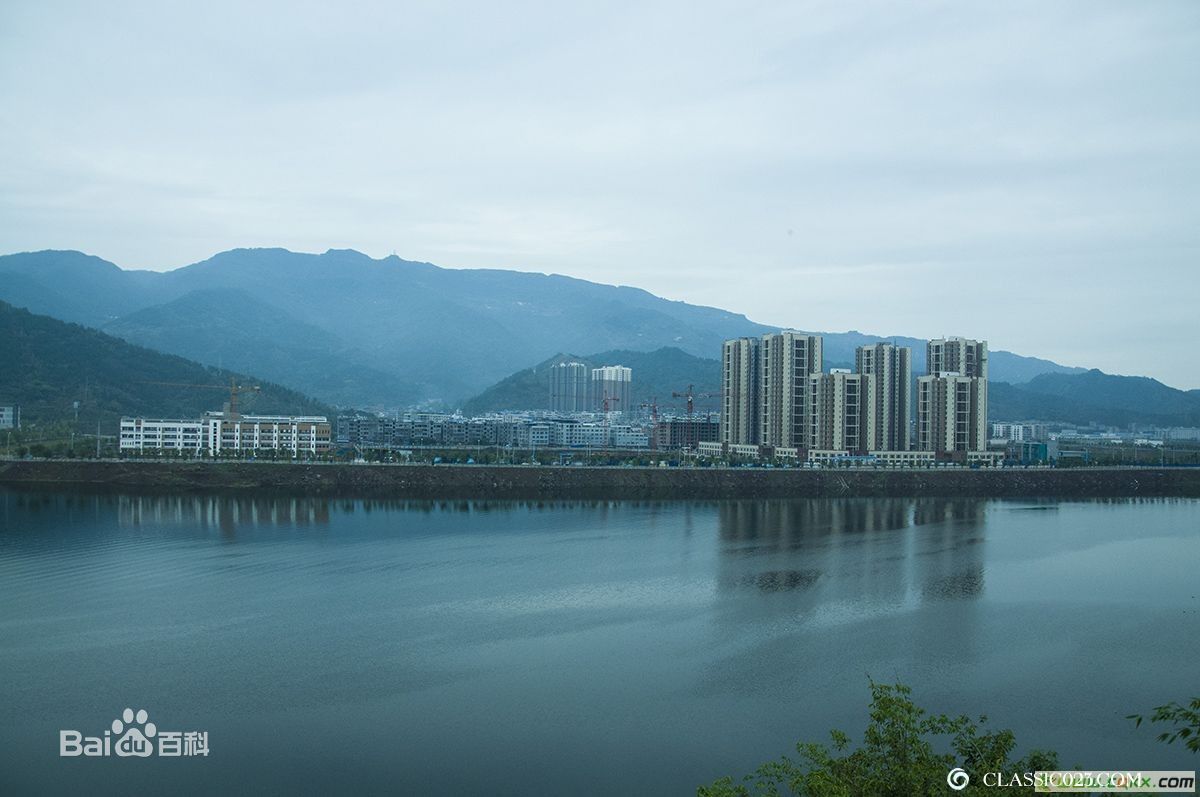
526 482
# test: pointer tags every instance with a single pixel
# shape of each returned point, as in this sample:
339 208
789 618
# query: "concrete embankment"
525 482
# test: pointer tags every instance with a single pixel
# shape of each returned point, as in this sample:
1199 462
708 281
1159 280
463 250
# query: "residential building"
1019 431
739 422
10 417
299 435
841 412
569 387
951 414
628 437
574 434
786 361
890 369
612 389
960 356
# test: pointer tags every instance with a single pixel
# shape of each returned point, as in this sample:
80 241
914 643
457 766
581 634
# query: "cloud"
991 169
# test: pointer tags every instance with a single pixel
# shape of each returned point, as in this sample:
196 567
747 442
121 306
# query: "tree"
1185 719
897 757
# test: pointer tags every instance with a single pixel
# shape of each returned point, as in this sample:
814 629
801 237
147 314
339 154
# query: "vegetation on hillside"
656 374
47 365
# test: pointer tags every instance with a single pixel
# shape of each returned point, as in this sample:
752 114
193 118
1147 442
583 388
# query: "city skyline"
871 154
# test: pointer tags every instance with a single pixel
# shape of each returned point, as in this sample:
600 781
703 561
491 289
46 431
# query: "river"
573 648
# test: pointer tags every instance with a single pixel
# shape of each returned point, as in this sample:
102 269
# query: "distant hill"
1090 397
232 329
390 332
46 365
656 375
1094 397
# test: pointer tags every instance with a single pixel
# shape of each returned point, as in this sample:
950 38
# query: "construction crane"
651 405
607 399
691 397
233 387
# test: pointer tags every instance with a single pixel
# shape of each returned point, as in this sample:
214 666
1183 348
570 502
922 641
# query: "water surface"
582 648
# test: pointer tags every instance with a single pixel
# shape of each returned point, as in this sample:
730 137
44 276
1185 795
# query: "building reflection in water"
875 584
892 549
223 512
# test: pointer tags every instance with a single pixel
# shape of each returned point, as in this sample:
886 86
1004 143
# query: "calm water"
607 648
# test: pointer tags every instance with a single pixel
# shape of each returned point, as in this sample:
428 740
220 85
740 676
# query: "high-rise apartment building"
957 355
569 387
841 412
951 413
890 369
952 398
786 361
612 388
739 392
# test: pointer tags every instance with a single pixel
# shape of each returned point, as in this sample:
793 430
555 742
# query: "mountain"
47 364
656 375
1094 397
268 342
398 331
1090 397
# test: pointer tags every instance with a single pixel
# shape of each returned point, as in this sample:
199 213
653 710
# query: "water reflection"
853 549
221 512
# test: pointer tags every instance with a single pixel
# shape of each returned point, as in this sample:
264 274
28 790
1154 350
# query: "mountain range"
1083 398
658 375
364 333
46 365
357 331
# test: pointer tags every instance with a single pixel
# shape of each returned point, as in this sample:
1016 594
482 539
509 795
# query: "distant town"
778 405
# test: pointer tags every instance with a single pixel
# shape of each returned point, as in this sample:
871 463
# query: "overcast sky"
1025 173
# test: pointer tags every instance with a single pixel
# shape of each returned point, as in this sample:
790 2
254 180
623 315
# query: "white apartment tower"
890 369
611 388
739 392
569 387
786 361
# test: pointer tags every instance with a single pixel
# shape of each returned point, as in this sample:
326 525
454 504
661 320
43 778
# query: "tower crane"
233 387
651 405
691 397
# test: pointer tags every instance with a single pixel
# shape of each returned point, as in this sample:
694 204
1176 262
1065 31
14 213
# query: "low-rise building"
216 434
10 417
903 459
176 436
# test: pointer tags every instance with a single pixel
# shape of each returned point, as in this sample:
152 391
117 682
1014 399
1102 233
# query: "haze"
1021 172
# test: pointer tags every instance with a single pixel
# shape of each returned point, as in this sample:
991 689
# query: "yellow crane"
233 387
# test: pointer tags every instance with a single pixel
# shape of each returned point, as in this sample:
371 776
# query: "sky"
1028 173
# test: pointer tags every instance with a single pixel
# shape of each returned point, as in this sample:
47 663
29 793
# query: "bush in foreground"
898 757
